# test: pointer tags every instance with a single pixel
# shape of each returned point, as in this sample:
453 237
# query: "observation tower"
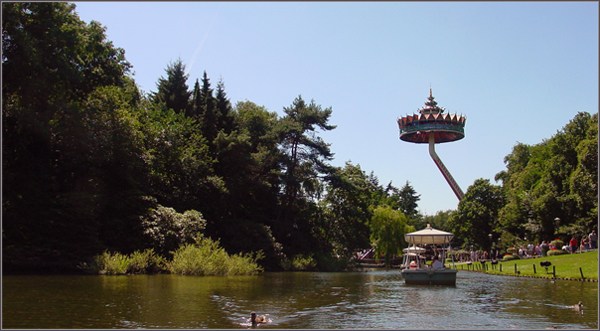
432 126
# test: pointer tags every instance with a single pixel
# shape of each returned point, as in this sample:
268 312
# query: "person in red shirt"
573 244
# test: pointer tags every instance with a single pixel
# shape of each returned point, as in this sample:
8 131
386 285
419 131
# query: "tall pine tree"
204 107
173 90
225 120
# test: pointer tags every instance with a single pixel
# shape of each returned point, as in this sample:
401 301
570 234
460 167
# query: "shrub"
329 262
166 229
299 263
512 251
208 258
245 264
145 262
557 252
110 264
511 257
557 244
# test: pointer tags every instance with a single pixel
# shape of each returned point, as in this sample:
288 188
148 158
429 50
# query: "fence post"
581 272
554 271
515 268
534 269
501 268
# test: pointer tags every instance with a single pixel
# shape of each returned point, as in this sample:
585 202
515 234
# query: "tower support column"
459 193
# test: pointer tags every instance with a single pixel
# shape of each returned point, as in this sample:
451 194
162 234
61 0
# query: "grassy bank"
566 267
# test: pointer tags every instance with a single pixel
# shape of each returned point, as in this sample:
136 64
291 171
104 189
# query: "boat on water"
414 269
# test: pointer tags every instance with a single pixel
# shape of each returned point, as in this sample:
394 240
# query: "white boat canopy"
414 249
428 236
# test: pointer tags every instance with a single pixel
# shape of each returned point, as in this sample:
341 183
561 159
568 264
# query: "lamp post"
491 243
556 224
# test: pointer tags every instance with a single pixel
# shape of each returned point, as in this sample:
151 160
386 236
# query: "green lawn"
566 266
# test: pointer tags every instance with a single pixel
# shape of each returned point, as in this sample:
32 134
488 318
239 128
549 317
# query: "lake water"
296 300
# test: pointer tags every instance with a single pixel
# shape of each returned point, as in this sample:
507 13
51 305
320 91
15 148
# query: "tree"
304 157
477 213
348 209
181 168
52 62
408 200
205 110
555 178
226 121
173 90
440 220
388 227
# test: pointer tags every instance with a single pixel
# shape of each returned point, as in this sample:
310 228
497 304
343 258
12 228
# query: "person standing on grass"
593 240
573 244
585 243
545 248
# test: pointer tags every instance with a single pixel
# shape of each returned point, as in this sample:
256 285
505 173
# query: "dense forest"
91 164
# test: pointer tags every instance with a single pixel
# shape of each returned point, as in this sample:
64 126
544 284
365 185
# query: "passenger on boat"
436 264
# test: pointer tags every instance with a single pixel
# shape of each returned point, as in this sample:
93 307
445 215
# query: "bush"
299 263
512 251
110 264
556 252
557 243
511 257
245 264
329 262
166 229
145 262
208 258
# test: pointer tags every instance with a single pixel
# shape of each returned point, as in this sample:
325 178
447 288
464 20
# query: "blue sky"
519 71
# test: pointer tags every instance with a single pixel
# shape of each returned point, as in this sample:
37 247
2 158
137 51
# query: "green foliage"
52 62
110 264
477 214
511 257
303 159
146 261
440 220
173 90
168 229
300 263
388 227
345 223
119 167
331 262
138 262
556 252
408 200
207 258
557 243
555 178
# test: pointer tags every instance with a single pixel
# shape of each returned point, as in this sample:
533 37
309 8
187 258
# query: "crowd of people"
587 243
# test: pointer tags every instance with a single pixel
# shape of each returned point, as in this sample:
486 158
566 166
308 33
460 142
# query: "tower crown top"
431 106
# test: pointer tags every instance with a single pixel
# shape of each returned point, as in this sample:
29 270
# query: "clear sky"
519 71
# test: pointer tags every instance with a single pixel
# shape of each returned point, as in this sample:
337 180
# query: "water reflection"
363 300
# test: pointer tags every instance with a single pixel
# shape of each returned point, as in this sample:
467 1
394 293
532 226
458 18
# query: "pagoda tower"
432 126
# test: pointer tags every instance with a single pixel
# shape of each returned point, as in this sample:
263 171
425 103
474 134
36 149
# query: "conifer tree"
173 90
224 109
204 104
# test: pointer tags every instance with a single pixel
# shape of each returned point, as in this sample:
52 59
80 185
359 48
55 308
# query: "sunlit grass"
565 266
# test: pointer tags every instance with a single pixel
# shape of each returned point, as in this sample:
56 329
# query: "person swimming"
257 319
